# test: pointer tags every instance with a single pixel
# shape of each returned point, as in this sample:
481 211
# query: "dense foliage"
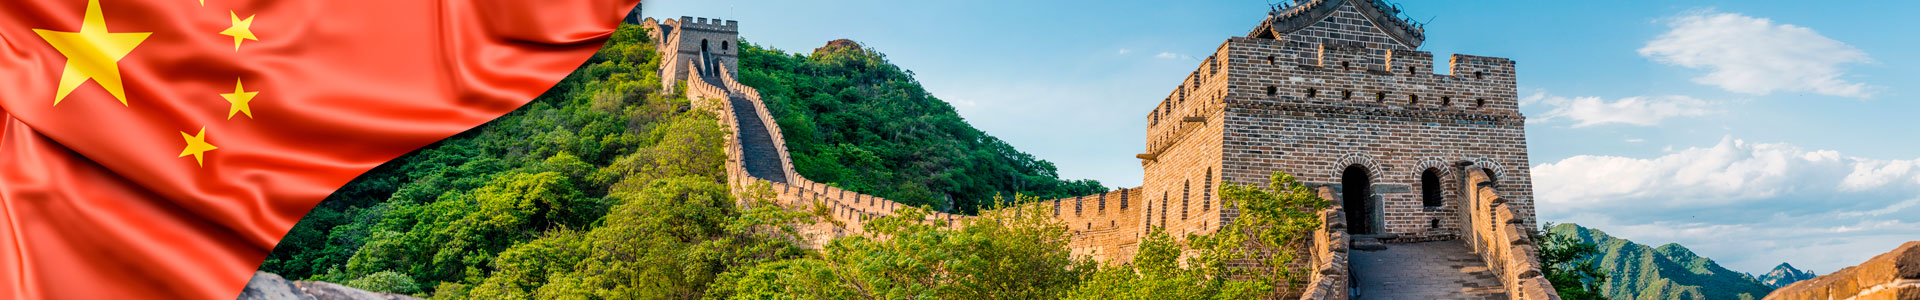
854 120
1670 271
601 188
1571 264
996 256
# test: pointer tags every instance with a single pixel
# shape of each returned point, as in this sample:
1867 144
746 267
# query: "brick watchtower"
1337 93
702 43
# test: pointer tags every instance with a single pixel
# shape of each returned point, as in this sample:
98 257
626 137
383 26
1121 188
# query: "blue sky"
1753 132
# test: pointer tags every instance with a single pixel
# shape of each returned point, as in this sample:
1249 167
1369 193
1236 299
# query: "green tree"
1000 255
1571 264
669 240
458 235
1274 223
385 282
1156 273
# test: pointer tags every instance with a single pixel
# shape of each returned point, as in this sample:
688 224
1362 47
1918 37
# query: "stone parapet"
1499 234
1331 276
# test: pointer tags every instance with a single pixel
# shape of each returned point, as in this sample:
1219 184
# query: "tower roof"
1383 15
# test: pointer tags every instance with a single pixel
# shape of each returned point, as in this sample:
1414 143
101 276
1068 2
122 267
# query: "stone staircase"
758 156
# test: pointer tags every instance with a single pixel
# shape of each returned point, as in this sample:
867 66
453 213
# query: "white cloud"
1755 56
1748 205
1171 55
1636 140
1124 51
1640 111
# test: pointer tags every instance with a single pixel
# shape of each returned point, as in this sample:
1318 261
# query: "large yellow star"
197 146
241 29
93 53
239 98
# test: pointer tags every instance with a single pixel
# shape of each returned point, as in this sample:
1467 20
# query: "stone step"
1377 236
762 156
1367 244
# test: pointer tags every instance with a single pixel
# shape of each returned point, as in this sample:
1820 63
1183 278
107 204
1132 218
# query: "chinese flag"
161 148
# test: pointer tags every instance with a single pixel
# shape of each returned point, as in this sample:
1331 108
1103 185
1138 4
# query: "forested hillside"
1667 272
600 188
854 120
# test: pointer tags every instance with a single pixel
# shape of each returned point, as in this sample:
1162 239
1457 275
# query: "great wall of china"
1316 90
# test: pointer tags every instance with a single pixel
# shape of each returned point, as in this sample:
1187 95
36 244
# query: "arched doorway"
1430 193
1356 190
706 58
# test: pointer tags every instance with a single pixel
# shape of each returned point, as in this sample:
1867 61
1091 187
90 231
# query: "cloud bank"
1748 205
1637 111
1754 56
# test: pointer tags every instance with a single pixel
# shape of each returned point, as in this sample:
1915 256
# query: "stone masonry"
1334 92
692 43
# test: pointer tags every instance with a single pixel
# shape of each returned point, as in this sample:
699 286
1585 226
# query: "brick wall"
1311 101
1312 110
680 43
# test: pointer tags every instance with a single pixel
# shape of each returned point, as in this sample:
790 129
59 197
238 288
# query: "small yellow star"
197 146
241 30
93 53
239 98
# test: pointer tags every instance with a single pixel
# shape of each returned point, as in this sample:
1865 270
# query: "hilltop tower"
706 44
1337 93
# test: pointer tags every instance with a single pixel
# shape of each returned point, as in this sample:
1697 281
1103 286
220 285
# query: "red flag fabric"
160 149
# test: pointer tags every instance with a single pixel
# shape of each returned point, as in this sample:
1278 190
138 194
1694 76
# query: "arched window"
1413 100
1163 209
1430 188
1272 90
1186 192
723 45
1345 65
1346 95
1380 97
1410 71
1312 93
1446 101
1480 102
1206 192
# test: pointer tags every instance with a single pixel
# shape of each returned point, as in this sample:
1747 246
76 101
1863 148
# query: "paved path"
761 158
1428 270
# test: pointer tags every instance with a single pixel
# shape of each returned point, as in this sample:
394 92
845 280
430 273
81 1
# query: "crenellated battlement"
1337 93
714 24
1339 96
703 43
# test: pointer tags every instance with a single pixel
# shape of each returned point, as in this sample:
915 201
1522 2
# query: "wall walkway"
1107 226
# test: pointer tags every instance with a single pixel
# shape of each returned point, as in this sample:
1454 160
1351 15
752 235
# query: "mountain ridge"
1785 274
1670 271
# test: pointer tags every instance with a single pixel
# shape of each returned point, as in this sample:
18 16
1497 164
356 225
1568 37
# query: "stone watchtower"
706 44
1337 93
